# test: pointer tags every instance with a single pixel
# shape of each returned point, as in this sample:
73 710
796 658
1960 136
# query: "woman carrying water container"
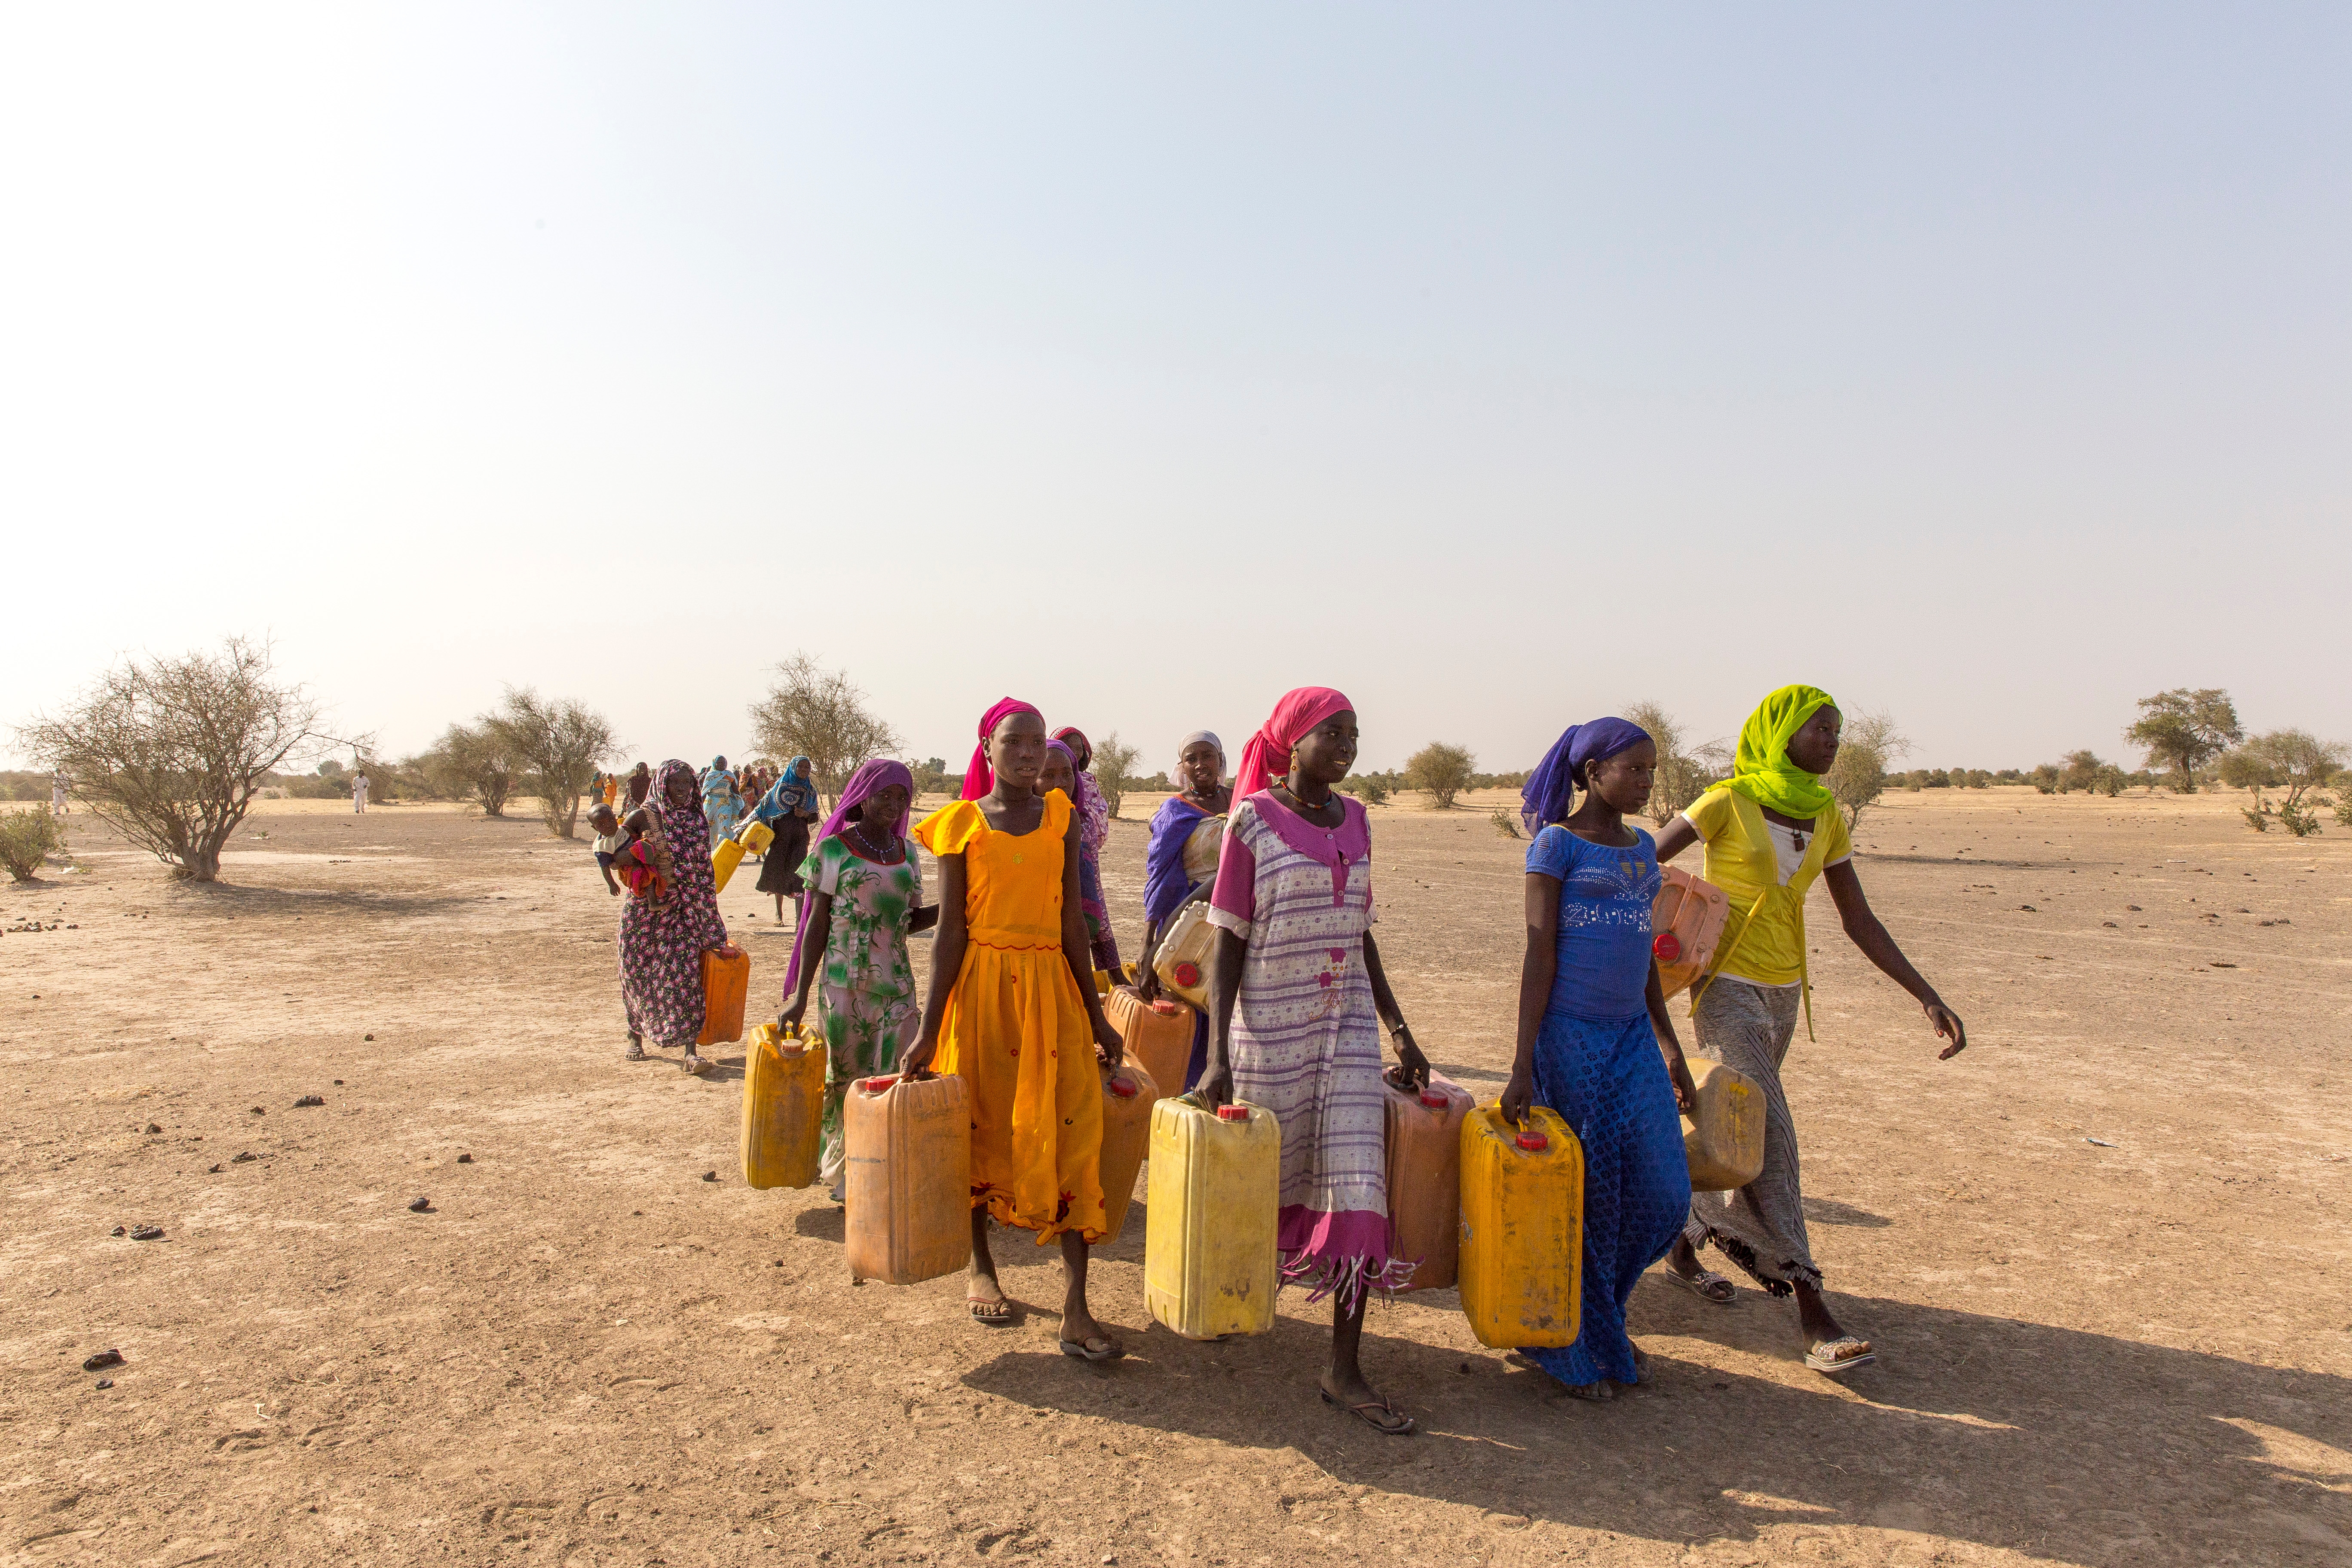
1296 1004
865 899
1770 830
1588 1004
665 933
1013 1010
1181 863
788 808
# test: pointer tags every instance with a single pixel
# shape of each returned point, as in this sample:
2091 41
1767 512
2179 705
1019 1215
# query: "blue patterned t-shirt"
1604 921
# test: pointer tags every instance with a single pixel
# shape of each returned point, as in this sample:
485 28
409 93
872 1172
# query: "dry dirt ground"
2125 1351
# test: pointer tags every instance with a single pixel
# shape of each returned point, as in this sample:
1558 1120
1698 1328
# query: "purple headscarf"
870 777
1551 788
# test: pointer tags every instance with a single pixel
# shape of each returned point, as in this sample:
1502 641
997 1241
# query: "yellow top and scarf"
1764 939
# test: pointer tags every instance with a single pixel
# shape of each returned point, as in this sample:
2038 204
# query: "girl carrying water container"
1013 1010
1769 831
1588 1002
865 899
1296 1000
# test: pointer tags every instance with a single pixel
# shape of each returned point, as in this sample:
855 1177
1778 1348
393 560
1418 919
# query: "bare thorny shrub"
1114 769
821 714
471 761
559 742
171 752
1867 743
1685 772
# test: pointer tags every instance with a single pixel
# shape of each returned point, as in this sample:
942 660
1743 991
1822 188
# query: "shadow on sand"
2013 1435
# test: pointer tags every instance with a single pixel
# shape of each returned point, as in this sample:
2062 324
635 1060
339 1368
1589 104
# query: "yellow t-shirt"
1742 860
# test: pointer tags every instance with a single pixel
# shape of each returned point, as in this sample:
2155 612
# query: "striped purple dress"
1305 1041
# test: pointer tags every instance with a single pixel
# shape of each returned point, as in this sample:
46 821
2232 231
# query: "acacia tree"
560 742
821 714
1684 773
1867 743
1114 769
2295 761
473 760
2185 729
172 752
1441 771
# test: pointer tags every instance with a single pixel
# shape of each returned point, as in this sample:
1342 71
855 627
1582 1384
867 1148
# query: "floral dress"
866 1009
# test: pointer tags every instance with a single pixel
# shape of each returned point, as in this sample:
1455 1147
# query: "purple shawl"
877 774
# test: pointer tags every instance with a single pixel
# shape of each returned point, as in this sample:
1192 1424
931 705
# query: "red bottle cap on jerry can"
1124 1087
1164 1007
1434 1098
1533 1142
879 1085
1187 974
1233 1114
1667 946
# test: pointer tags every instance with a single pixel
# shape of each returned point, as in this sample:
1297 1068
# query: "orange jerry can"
1424 1178
1685 922
1156 1035
1127 1093
907 1180
725 975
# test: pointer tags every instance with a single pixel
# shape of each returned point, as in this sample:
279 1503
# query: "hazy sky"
1497 365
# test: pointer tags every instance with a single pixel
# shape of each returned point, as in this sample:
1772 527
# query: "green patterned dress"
866 1008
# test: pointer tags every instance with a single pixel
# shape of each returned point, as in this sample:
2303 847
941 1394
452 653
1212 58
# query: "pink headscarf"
978 777
878 774
1268 755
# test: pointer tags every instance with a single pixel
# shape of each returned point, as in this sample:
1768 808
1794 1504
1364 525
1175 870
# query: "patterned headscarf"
1268 755
1551 789
1762 771
978 777
685 832
870 777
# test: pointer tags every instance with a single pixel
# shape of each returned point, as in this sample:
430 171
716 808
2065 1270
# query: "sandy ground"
587 1354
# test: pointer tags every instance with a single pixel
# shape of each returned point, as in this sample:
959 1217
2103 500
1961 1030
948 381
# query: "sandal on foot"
635 1053
696 1064
1823 1358
1704 1287
1369 1413
1600 1391
989 1309
1085 1350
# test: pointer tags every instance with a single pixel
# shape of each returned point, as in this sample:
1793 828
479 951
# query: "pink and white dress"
1306 1040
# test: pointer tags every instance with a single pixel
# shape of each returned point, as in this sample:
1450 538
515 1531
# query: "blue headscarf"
794 792
1552 787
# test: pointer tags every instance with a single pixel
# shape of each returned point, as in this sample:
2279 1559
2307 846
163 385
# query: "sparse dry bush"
1867 743
1506 822
1114 769
26 840
559 742
821 714
1440 770
1685 772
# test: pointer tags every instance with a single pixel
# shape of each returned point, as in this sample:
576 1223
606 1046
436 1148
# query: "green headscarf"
1762 771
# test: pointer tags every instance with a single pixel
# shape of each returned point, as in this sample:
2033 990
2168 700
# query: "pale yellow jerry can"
907 1184
1214 1191
783 1108
1522 1261
1725 1141
755 836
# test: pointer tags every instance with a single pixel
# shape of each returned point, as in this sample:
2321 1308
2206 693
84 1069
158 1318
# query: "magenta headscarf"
878 774
978 777
1268 755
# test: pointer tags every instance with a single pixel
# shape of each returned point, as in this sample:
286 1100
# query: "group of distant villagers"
1297 999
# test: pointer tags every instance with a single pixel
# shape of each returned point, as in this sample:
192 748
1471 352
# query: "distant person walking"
663 937
788 808
721 804
1770 830
638 785
1592 1022
359 792
58 784
1181 863
1094 828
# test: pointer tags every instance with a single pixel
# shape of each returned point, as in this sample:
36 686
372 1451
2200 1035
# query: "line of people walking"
1297 999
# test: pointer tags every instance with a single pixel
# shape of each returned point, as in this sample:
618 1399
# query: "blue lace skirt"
1608 1081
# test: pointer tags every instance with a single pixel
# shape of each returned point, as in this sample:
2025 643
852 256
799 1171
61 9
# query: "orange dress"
1016 1028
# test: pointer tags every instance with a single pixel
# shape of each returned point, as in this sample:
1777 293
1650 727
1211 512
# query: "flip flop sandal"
1830 1365
635 1053
1084 1350
1363 1413
985 1310
696 1064
1700 1287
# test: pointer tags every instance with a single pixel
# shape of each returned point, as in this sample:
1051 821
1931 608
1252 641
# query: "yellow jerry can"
725 855
755 836
1215 1188
1522 1259
784 1109
907 1184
